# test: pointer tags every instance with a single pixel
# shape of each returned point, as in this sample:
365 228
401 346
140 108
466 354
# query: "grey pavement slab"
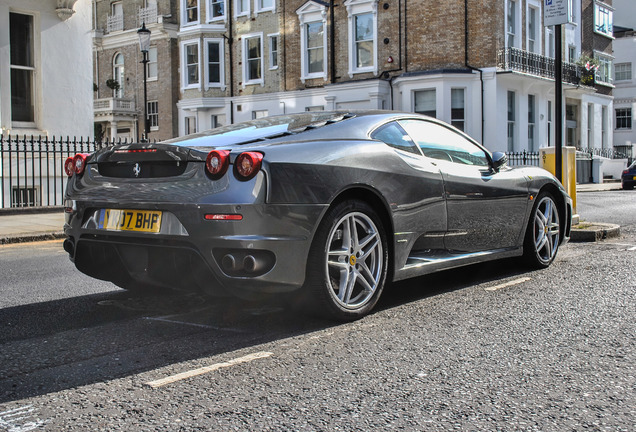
17 228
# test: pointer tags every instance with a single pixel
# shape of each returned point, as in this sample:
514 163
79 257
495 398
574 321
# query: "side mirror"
499 159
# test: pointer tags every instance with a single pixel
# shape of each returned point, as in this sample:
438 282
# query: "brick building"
228 53
118 72
487 67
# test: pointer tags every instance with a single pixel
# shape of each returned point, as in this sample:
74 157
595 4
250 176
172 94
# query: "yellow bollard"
547 162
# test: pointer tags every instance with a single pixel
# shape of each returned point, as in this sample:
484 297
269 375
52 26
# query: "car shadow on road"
64 344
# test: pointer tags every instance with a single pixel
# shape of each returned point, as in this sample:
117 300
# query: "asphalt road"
488 347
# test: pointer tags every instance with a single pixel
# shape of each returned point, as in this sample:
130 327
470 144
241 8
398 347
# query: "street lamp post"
144 45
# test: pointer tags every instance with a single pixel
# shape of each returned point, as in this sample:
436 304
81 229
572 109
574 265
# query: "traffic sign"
556 12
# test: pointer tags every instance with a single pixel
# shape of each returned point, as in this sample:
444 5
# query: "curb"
594 231
26 238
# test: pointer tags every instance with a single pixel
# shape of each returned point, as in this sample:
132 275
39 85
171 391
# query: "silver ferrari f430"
332 205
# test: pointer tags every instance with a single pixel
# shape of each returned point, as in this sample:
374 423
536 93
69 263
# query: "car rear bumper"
265 251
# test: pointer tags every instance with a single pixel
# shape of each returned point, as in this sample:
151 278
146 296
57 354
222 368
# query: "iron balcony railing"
518 60
114 23
147 15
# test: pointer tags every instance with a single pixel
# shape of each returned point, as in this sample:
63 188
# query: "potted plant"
112 84
588 67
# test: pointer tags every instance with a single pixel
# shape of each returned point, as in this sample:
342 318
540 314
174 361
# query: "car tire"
347 263
543 234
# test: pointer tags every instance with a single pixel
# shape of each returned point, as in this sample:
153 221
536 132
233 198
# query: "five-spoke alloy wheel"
544 232
348 262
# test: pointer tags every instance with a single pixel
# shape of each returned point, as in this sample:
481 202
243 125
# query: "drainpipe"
332 42
467 64
406 37
283 47
230 43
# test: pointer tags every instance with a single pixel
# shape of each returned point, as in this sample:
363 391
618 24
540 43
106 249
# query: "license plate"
130 220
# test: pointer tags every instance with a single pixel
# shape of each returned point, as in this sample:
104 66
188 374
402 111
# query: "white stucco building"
46 78
624 78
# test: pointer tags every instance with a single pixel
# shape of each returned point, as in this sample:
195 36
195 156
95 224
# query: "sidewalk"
28 227
34 226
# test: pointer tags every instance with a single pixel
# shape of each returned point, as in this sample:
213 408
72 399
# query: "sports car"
331 205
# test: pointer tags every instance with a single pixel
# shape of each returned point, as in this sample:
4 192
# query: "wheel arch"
564 211
375 199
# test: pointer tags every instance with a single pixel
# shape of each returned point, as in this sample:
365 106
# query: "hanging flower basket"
112 84
588 67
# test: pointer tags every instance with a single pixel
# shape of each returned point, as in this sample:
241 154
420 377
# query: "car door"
485 208
419 210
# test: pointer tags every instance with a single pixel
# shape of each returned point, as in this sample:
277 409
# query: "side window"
439 142
394 136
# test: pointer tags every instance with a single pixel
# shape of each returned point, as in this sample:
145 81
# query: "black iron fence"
32 168
623 152
523 158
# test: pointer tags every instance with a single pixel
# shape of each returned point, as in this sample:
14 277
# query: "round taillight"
247 165
217 162
79 163
69 166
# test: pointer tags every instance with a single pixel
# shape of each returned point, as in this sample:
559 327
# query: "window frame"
154 62
186 124
511 109
273 53
603 10
423 90
310 13
627 70
153 115
30 69
206 61
604 73
115 7
184 13
548 42
512 16
355 8
209 8
185 85
238 12
119 71
455 120
626 119
246 69
537 41
259 8
532 122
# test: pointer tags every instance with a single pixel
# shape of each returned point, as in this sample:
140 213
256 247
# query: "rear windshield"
260 129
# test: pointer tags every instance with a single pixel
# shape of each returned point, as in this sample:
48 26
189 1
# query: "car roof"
350 124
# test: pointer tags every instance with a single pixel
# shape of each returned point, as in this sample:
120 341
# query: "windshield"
257 130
